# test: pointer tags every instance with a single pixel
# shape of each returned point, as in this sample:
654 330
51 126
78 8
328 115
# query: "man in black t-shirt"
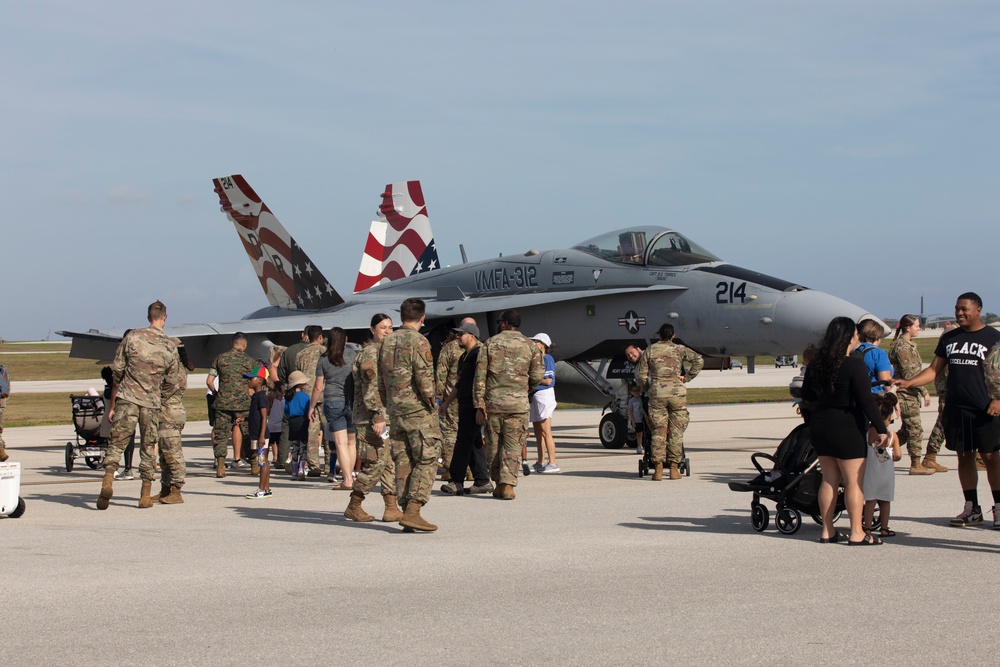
968 421
469 437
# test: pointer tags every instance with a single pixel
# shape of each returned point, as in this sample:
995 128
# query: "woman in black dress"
839 386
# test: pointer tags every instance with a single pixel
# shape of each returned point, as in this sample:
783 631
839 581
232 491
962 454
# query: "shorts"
543 404
338 416
274 438
970 430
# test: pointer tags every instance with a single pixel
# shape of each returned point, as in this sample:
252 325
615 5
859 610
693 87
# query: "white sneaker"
258 494
549 468
525 468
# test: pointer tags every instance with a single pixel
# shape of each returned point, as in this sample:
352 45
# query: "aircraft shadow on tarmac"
739 522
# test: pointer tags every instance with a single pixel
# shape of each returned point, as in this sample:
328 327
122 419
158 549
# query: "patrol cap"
543 338
468 328
257 372
296 378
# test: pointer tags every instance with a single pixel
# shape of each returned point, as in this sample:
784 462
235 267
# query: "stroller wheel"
92 462
643 468
687 466
759 517
788 521
69 457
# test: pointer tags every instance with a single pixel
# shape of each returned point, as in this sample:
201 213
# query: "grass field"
54 409
44 346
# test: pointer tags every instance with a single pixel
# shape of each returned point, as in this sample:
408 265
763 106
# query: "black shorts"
970 430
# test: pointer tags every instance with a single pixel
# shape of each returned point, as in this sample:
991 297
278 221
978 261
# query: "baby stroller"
646 461
88 418
792 482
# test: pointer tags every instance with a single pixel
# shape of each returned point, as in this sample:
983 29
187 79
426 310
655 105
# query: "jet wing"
451 302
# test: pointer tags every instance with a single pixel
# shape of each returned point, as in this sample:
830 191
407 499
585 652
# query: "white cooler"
10 488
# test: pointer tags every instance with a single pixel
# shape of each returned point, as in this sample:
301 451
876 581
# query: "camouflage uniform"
936 438
306 361
906 364
406 388
146 360
991 373
659 372
233 400
376 463
447 376
171 422
509 366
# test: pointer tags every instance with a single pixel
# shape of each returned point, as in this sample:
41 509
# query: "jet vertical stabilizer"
400 243
287 275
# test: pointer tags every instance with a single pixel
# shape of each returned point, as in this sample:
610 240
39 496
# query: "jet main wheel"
788 521
759 517
69 457
612 431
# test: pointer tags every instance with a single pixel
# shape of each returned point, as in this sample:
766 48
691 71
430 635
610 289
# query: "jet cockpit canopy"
648 245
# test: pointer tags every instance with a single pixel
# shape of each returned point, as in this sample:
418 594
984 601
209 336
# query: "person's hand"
902 384
993 409
927 401
378 427
881 440
480 416
239 420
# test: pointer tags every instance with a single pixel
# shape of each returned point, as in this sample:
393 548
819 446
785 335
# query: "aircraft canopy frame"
647 246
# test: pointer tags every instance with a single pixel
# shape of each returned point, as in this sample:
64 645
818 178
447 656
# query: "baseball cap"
543 338
257 372
468 328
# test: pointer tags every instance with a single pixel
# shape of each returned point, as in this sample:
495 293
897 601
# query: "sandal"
341 487
885 532
868 541
837 537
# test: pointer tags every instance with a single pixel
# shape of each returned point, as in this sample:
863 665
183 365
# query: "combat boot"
392 513
675 472
917 469
220 466
412 521
3 455
164 491
354 511
173 497
504 491
104 498
930 461
144 499
658 472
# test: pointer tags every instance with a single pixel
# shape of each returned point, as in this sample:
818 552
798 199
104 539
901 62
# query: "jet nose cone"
802 317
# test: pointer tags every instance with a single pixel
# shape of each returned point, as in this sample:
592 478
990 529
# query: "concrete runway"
590 566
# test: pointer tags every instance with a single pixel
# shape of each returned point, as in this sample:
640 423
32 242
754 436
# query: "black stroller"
792 481
88 418
646 461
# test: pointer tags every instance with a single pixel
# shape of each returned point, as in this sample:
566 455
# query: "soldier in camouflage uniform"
447 376
306 361
232 403
509 366
369 423
145 360
406 388
172 417
662 371
906 363
936 438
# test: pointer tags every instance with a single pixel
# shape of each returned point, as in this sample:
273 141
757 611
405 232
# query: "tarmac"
591 566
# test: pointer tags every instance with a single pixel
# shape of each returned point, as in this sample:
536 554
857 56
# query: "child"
880 478
296 409
256 426
275 413
635 416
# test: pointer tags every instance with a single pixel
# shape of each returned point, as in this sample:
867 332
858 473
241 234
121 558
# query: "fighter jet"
592 298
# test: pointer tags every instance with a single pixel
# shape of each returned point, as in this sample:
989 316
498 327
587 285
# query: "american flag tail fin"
400 242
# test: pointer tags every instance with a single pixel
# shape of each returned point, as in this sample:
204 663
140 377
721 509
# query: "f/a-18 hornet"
593 298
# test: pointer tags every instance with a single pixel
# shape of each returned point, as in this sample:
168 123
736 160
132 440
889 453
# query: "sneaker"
485 488
550 467
452 489
259 493
330 479
525 468
301 476
126 474
639 450
972 515
996 517
538 467
240 464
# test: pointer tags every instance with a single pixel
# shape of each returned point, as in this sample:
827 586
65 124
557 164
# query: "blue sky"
851 147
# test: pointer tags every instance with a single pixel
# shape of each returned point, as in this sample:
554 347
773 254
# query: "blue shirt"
550 373
876 361
298 406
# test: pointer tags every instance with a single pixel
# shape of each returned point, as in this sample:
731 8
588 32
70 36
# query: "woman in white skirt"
880 474
543 404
